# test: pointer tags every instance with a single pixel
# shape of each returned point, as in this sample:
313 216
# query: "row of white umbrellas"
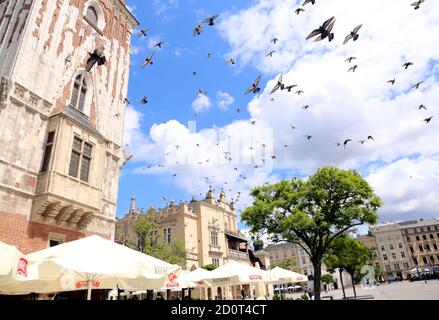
96 263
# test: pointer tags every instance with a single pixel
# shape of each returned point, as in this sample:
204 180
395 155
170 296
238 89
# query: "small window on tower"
92 15
79 93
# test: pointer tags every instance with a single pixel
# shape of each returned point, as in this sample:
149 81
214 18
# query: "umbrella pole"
88 291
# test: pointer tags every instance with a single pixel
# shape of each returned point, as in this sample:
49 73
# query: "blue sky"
402 164
171 86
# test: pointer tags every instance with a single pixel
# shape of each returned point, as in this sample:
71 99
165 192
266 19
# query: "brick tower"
61 118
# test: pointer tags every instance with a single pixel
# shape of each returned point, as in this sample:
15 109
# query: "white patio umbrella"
286 276
9 258
88 263
235 273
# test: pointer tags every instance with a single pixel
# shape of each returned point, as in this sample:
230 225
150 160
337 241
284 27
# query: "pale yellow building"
421 239
208 229
394 258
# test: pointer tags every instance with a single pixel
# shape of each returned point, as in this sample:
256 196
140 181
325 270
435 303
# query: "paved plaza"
418 290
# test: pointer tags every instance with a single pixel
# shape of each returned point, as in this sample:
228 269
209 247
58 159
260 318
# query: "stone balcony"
237 255
66 202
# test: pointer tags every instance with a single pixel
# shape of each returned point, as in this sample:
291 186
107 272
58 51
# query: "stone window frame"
48 151
86 80
101 23
82 155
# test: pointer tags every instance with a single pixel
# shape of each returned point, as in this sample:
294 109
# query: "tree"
314 212
150 240
288 264
348 254
328 278
209 267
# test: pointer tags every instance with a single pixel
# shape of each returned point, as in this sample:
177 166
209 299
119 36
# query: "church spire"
133 203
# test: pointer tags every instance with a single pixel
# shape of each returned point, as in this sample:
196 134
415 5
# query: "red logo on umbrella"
172 277
255 277
22 267
172 284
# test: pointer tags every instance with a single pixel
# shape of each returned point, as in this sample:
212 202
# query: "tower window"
92 15
80 159
48 151
79 93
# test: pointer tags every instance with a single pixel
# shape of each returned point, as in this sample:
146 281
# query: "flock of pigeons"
323 32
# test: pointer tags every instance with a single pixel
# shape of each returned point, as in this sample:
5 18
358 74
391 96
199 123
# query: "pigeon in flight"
279 85
305 107
416 86
324 31
231 61
148 60
308 137
392 82
422 107
299 92
211 21
159 44
274 40
417 4
143 32
299 10
309 1
289 88
96 57
407 65
270 54
370 138
254 87
428 120
144 100
362 141
353 34
353 69
209 54
350 59
198 30
346 142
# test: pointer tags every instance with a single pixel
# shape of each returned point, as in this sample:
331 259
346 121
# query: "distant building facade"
207 228
404 247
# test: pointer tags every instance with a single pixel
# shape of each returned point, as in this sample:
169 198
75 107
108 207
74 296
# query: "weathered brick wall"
29 236
43 46
56 46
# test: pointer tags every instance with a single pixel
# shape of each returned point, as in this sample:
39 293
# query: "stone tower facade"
61 118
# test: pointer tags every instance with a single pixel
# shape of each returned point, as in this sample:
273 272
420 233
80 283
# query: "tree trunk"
342 284
353 286
317 279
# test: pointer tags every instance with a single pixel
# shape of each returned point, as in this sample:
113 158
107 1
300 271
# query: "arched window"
92 15
79 93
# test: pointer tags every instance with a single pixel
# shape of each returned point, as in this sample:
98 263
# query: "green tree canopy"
313 212
288 264
150 239
209 267
350 255
328 278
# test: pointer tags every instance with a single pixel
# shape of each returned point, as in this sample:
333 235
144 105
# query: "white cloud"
136 50
201 103
414 187
224 100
